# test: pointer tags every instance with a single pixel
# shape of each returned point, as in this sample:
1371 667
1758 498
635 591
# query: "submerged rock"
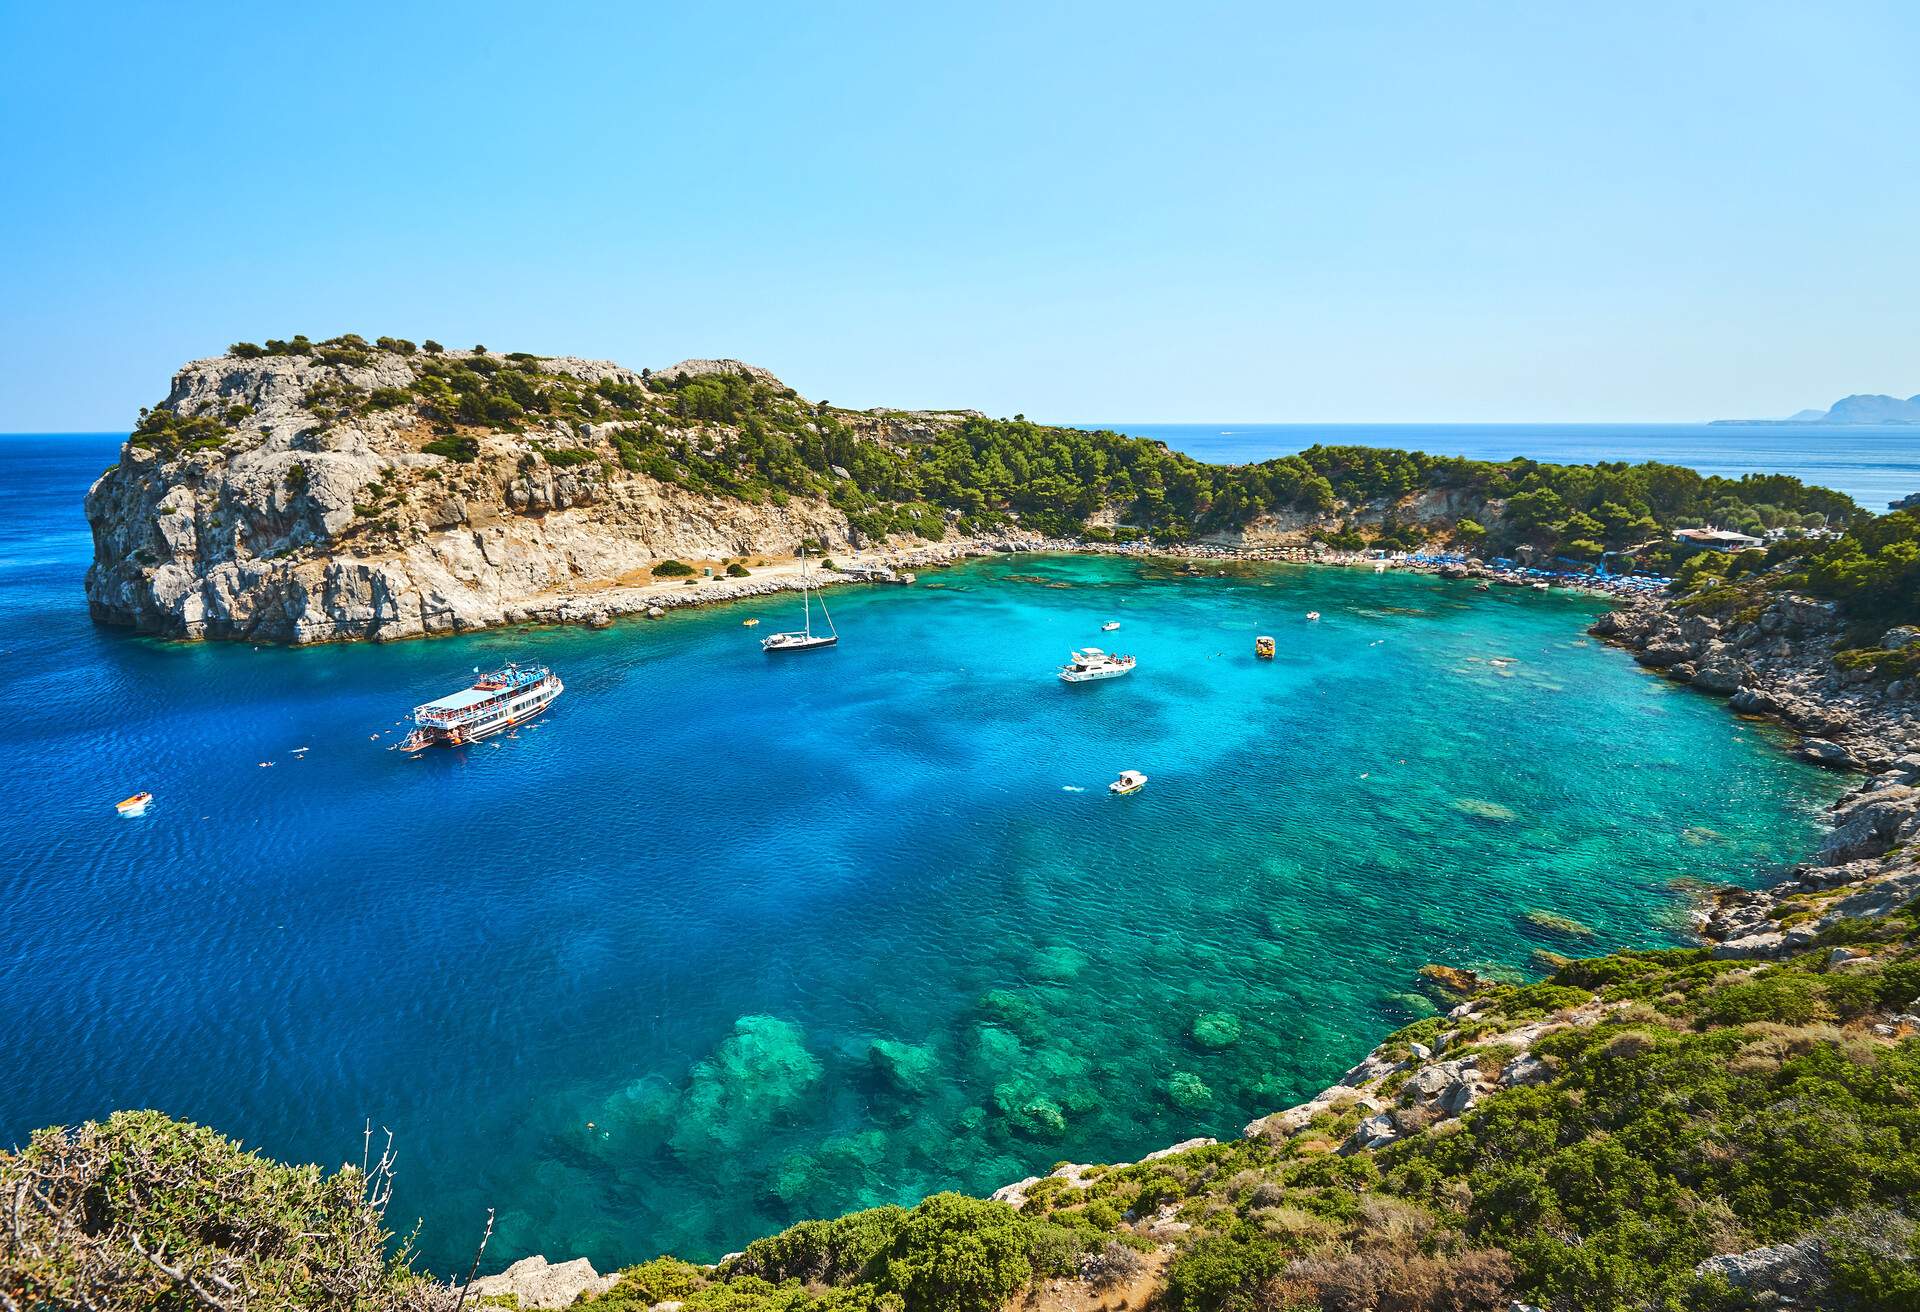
907 1067
733 1094
1558 924
1485 810
1215 1030
1189 1091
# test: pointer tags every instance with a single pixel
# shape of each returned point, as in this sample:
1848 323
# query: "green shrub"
843 1250
737 571
1224 1273
640 1287
1784 997
389 398
459 447
671 569
566 457
85 1202
958 1254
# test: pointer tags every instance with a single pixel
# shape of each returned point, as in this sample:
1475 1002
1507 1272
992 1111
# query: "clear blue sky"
1410 211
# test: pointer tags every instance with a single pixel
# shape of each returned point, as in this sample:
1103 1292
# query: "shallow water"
728 940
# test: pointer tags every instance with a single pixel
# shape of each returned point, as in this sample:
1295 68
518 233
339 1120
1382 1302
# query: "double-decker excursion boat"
1091 663
496 701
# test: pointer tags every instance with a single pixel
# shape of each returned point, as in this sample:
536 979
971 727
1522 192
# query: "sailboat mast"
806 601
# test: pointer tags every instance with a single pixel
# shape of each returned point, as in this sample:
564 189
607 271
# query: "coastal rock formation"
304 498
1776 663
536 1283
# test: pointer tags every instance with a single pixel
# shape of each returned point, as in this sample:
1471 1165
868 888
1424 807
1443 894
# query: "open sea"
725 941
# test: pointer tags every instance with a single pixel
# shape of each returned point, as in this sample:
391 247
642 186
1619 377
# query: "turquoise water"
623 976
1872 463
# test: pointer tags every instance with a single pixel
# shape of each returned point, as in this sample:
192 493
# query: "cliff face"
294 498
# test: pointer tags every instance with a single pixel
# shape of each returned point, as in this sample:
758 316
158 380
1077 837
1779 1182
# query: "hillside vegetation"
1872 570
739 432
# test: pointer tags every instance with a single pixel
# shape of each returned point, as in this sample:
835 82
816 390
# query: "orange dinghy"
135 805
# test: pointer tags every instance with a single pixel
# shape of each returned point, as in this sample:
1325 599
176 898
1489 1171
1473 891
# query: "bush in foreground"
143 1211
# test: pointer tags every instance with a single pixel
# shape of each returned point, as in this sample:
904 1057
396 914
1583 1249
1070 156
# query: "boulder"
1753 945
1447 1087
1721 671
1830 754
1660 655
1524 1069
1868 824
540 1284
1780 1272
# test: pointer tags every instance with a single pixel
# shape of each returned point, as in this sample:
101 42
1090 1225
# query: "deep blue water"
623 976
1873 464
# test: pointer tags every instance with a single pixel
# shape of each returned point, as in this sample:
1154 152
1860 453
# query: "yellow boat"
749 623
135 805
1263 647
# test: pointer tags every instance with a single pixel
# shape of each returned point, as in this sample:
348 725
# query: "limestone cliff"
338 491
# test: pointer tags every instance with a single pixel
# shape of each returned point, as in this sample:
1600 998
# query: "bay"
725 941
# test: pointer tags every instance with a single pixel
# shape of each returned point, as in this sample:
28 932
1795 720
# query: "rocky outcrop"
313 514
536 1283
1776 663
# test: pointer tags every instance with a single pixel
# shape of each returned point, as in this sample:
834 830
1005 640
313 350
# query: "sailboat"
805 639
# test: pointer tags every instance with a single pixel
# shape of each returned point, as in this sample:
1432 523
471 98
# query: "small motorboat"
1483 586
1313 615
747 624
1110 626
135 805
1540 587
1130 781
1263 647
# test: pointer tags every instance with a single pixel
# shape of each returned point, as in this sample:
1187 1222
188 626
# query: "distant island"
1860 408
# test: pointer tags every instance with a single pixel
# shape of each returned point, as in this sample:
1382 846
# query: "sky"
1256 212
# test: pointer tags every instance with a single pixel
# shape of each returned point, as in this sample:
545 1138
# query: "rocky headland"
323 492
309 497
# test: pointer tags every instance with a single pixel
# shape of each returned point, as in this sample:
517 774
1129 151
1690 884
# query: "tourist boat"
805 639
135 805
1092 663
1263 647
1110 626
1130 781
500 700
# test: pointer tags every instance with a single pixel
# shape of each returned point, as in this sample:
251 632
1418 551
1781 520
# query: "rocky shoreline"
1778 665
